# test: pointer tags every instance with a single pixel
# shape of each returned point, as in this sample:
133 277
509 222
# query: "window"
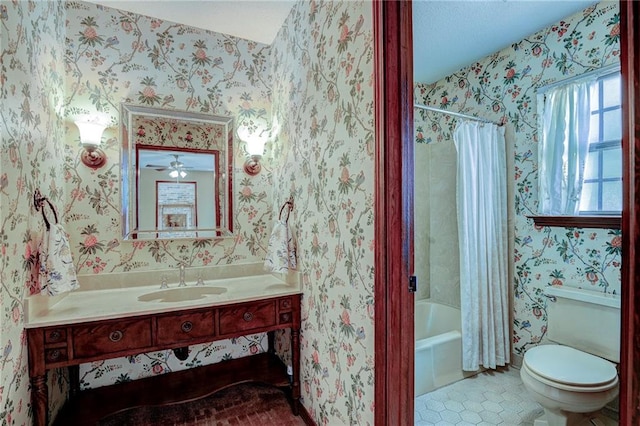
602 183
580 151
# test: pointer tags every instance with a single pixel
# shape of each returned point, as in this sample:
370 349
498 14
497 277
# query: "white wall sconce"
255 139
91 130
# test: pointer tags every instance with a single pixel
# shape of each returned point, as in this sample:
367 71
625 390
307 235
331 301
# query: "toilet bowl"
574 375
567 382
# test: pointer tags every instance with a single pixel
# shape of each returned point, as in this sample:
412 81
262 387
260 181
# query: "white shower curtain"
482 234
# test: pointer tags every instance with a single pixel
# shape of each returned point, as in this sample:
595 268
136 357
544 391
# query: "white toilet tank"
585 320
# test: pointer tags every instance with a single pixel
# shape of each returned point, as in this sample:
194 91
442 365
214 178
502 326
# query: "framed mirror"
177 179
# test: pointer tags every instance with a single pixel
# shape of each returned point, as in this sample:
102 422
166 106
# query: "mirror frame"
131 174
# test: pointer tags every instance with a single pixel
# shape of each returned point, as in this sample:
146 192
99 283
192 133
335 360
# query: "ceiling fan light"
174 174
182 173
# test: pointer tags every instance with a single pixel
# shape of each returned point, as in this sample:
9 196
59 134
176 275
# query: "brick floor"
245 404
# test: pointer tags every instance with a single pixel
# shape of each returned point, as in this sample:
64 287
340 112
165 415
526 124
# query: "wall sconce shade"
91 139
255 141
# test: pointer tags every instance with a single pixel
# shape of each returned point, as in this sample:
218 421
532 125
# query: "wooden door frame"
394 340
630 333
394 344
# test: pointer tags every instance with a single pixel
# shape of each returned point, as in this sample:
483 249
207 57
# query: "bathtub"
438 349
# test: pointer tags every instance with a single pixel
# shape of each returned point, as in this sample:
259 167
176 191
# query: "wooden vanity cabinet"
75 343
184 327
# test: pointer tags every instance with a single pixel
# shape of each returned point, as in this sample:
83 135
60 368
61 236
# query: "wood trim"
629 335
394 339
306 417
141 334
602 222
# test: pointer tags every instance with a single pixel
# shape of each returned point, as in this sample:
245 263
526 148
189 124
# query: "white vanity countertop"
120 302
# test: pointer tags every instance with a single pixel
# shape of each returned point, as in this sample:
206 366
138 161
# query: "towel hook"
289 204
38 203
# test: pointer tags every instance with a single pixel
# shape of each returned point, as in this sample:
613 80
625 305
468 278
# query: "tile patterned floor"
489 398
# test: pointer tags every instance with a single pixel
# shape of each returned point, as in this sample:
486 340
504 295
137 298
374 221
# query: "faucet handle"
163 283
182 272
200 281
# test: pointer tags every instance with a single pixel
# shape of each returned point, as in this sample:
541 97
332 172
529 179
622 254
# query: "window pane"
591 167
612 163
612 125
612 196
594 97
589 197
594 128
611 91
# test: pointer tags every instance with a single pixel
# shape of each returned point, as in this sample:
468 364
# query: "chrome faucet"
182 268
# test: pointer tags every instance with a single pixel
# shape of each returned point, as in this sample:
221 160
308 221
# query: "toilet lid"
567 365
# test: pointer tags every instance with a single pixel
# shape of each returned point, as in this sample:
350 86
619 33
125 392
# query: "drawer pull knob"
115 336
248 316
55 335
54 355
187 326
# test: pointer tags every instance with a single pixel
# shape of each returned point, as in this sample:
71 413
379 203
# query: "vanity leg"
74 380
39 399
295 364
271 342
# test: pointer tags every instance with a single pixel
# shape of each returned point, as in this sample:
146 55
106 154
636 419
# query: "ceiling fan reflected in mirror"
176 167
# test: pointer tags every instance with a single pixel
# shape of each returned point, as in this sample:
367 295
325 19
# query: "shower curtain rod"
455 114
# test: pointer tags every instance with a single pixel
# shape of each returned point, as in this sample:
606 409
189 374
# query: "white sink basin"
181 294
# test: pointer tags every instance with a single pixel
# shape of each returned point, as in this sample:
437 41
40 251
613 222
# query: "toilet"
574 375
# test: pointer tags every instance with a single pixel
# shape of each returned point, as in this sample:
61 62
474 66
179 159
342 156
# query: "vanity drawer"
51 356
111 337
285 318
55 335
285 304
180 328
247 317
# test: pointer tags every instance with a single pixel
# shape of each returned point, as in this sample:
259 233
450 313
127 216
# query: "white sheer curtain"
563 148
482 233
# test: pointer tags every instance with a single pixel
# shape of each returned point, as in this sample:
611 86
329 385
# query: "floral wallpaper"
31 146
323 98
108 372
502 87
64 59
113 56
173 133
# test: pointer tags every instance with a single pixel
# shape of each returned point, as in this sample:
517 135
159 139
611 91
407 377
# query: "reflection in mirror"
177 178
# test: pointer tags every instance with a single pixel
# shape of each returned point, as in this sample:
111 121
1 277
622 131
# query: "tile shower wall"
437 258
323 97
113 56
502 87
422 221
31 146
